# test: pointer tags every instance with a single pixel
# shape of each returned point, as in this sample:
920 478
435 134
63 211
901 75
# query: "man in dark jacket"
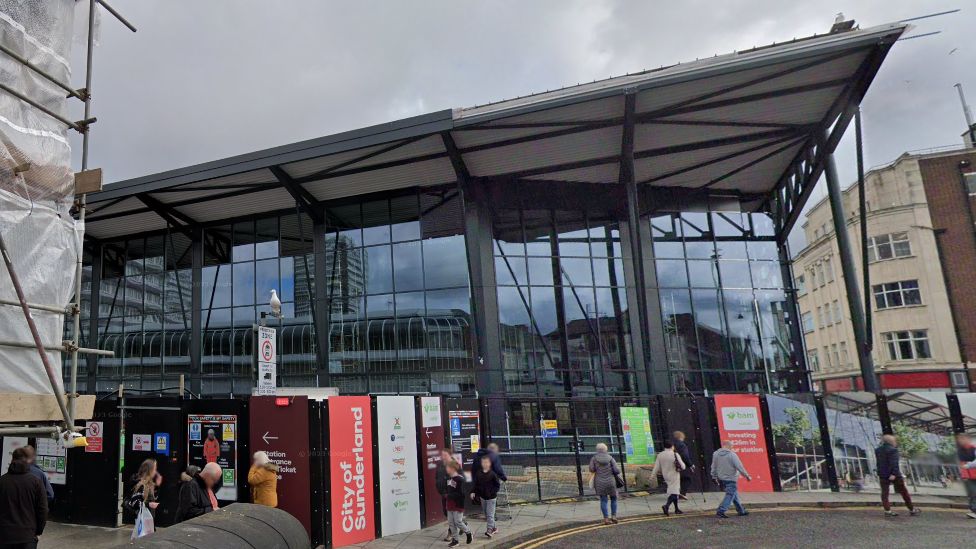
681 448
496 463
23 505
889 474
196 495
40 474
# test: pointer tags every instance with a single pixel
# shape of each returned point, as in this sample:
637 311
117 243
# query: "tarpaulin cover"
36 185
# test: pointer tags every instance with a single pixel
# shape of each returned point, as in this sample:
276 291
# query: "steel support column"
321 308
854 302
94 300
196 309
798 358
627 178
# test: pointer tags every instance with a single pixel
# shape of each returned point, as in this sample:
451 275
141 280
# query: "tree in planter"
794 433
911 443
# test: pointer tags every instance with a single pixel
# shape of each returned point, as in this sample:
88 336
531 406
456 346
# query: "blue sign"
161 443
455 426
194 431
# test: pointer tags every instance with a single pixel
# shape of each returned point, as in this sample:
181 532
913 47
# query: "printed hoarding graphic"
465 424
351 455
52 459
740 421
213 438
638 440
281 430
431 443
396 431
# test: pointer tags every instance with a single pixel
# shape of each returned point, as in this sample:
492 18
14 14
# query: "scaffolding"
15 417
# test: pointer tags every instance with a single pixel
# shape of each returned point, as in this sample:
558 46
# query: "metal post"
196 310
321 306
850 276
627 178
863 207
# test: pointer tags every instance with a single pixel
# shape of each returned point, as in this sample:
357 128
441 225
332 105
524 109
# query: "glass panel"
576 271
266 279
408 266
735 274
376 222
266 238
405 218
703 274
243 283
711 329
540 270
378 264
243 241
672 274
445 262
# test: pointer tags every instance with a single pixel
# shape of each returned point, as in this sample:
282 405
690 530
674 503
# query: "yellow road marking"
533 544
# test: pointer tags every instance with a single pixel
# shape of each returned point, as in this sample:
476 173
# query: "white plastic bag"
144 523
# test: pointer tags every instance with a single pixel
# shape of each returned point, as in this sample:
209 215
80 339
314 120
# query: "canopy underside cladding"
746 124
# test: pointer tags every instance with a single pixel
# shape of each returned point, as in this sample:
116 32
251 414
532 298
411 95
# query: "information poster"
740 421
52 459
279 426
351 470
638 440
267 361
432 442
396 432
213 439
465 429
9 445
142 442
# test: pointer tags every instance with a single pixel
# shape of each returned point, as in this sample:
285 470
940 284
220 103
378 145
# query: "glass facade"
559 300
725 311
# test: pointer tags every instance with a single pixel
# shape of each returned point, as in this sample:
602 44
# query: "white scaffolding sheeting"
36 186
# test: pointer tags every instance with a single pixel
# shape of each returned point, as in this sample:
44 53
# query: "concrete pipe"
235 526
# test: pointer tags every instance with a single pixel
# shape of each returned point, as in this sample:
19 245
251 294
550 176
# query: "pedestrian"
40 474
670 465
455 504
681 448
966 452
486 486
606 480
441 479
492 451
23 505
196 496
263 479
147 481
726 468
889 474
144 498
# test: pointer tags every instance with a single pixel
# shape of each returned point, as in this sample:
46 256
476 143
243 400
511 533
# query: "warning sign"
94 435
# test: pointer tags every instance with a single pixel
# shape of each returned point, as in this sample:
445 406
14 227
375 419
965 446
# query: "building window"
829 269
807 321
845 358
896 294
837 313
836 354
958 380
970 179
826 352
820 318
820 274
812 360
889 246
908 345
801 285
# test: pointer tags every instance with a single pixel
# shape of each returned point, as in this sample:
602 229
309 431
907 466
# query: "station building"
617 239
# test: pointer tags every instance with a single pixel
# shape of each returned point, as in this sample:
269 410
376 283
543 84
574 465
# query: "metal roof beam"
174 217
722 158
322 173
306 202
457 160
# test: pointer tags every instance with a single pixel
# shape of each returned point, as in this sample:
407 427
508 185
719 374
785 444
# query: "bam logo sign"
740 418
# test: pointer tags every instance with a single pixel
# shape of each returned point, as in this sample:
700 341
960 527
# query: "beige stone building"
916 341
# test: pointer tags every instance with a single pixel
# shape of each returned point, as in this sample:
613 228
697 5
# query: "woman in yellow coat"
263 479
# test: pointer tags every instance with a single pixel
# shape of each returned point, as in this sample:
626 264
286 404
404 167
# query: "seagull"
954 50
275 304
839 18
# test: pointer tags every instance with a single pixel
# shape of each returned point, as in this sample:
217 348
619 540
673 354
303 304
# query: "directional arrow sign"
428 432
267 436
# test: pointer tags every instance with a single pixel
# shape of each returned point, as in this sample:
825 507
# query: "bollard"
239 525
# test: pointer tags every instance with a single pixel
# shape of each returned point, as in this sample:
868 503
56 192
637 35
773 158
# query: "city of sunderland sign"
351 455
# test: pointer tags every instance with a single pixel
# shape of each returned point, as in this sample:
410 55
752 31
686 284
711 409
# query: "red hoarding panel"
740 421
282 432
431 428
351 470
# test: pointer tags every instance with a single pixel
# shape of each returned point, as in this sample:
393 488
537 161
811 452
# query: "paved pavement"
531 521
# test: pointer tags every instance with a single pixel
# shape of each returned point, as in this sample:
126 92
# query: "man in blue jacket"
889 474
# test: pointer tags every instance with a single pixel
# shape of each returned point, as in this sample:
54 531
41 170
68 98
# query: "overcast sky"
203 80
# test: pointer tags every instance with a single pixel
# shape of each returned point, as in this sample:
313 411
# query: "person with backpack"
670 465
486 486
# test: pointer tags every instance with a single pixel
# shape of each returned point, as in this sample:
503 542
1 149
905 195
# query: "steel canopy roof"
752 124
